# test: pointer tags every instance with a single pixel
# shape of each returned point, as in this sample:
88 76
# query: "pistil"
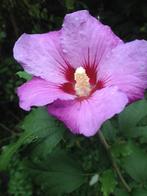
82 85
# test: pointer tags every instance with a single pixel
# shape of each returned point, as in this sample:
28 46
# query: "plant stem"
114 164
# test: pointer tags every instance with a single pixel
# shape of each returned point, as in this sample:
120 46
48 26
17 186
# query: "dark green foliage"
57 173
46 160
121 192
134 113
109 130
140 192
19 182
38 126
38 155
136 165
49 169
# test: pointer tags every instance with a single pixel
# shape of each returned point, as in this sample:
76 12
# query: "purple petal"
85 40
40 55
85 117
127 68
38 92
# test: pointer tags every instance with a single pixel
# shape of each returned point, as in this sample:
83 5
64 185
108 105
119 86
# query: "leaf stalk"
113 162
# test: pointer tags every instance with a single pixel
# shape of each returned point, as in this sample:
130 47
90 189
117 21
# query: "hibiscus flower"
84 74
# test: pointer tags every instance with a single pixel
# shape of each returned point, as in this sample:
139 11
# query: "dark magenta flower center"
82 81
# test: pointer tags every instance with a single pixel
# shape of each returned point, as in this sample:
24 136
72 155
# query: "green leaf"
9 151
122 149
19 181
40 123
120 192
131 116
109 130
139 132
57 174
44 127
24 75
136 165
139 192
69 4
108 182
47 144
39 126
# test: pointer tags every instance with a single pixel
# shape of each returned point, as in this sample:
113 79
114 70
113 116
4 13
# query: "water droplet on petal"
64 51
